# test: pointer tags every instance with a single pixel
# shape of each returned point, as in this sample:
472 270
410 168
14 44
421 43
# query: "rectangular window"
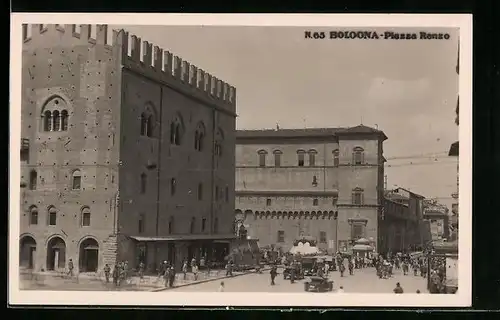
86 219
77 182
300 159
200 191
227 194
262 160
34 218
173 183
52 218
315 202
357 198
281 236
336 160
268 202
216 192
277 160
322 237
312 159
141 223
203 224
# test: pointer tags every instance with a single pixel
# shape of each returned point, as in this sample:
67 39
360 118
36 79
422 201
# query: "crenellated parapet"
138 56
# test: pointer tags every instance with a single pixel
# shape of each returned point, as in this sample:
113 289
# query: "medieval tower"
127 152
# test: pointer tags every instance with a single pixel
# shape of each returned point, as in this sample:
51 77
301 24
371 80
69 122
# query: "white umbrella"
304 248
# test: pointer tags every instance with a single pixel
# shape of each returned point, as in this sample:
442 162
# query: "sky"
406 88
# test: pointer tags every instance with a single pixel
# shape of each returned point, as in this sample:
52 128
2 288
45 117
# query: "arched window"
312 157
56 120
85 217
144 182
216 225
33 215
76 180
173 184
358 156
277 158
176 131
199 137
192 225
357 196
219 138
47 121
52 216
149 126
171 226
336 157
300 157
33 179
203 224
55 115
64 120
262 158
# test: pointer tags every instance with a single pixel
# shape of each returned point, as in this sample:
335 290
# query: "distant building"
438 216
321 183
125 155
402 226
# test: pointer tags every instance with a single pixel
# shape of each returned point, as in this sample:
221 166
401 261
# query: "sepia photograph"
240 160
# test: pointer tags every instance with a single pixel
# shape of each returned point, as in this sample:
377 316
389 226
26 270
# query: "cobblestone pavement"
97 282
363 281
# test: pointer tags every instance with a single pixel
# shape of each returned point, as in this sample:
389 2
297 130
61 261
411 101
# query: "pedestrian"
351 267
70 267
141 270
340 289
116 275
405 267
342 269
273 272
185 269
172 277
221 287
194 269
166 277
107 270
398 289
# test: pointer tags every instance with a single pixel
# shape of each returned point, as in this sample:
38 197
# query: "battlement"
138 56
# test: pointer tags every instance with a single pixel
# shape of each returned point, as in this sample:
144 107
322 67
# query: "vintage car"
299 273
318 284
309 266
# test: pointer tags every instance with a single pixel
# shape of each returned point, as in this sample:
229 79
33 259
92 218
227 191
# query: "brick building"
127 152
402 226
321 183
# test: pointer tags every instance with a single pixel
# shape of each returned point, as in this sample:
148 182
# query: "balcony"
25 144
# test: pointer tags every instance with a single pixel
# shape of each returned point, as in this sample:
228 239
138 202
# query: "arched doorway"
27 252
56 254
89 255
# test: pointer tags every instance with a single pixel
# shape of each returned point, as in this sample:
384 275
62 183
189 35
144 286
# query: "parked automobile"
318 284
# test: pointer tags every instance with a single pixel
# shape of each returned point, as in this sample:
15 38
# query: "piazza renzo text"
372 35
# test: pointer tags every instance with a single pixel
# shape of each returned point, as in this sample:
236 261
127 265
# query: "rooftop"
308 132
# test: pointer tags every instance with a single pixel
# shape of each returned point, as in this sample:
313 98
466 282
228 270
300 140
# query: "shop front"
176 249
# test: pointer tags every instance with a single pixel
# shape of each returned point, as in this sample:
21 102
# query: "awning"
185 237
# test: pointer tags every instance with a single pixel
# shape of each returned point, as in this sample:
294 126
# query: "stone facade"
402 226
323 183
117 145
